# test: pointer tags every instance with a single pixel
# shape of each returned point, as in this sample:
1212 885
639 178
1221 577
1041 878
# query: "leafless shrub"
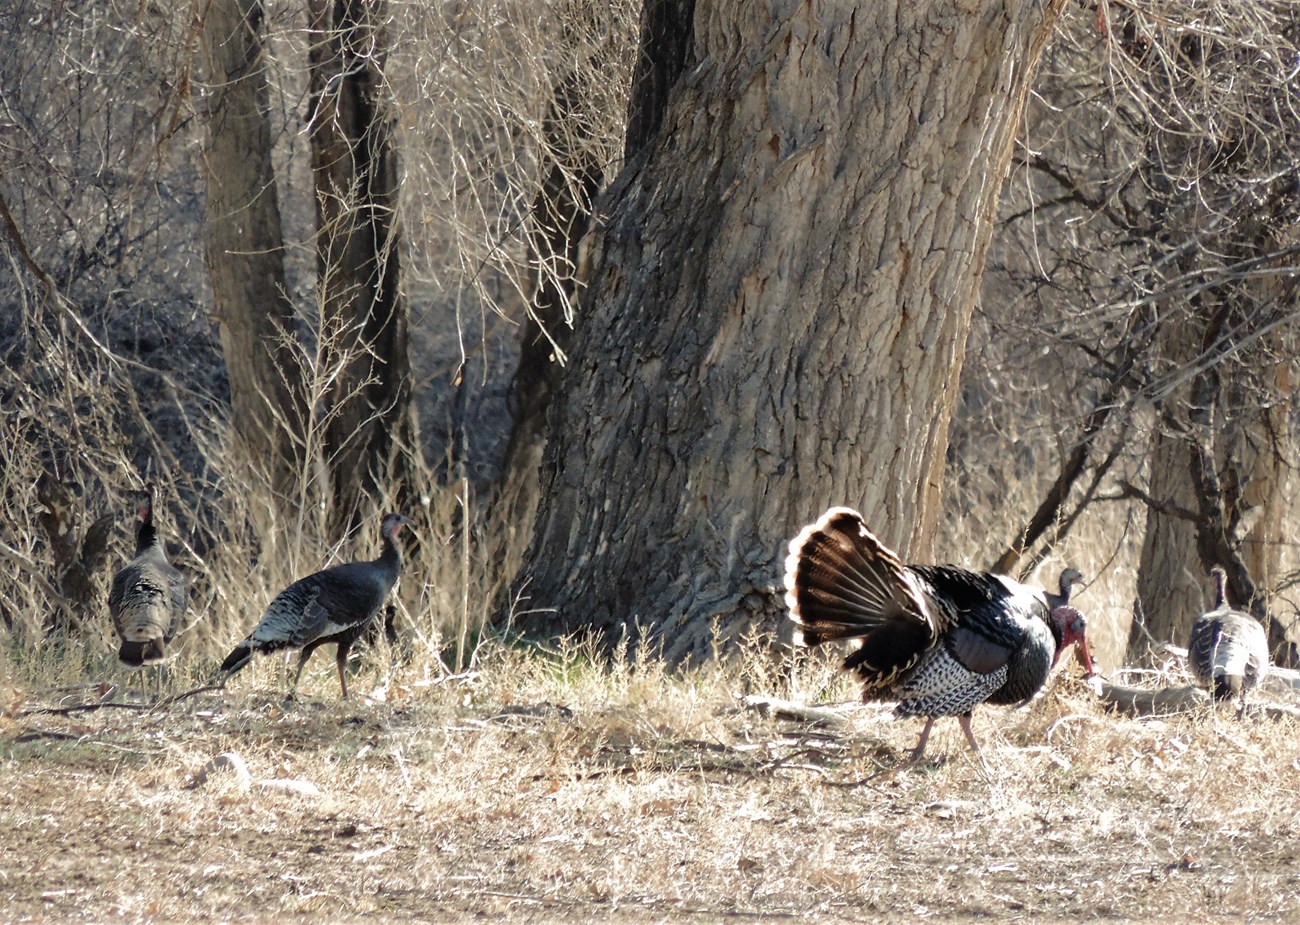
1152 202
112 376
472 83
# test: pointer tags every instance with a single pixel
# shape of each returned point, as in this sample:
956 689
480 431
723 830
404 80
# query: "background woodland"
408 186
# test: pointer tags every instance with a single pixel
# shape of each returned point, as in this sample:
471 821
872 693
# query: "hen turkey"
334 605
147 597
1069 578
1227 651
938 639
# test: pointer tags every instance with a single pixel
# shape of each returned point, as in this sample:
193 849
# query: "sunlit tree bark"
776 316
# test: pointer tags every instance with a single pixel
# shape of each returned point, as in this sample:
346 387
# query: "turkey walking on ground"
333 605
1069 578
147 597
938 639
1227 651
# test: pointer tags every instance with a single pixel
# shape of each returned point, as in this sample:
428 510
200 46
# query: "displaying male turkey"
147 597
1227 651
333 605
938 639
1070 577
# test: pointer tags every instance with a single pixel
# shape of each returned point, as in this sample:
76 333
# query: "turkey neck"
146 537
1058 636
390 560
1220 589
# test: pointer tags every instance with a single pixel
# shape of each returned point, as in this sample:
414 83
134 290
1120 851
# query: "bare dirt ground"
652 801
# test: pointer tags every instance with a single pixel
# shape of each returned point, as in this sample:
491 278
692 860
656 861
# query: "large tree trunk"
778 309
244 250
666 44
364 324
1221 460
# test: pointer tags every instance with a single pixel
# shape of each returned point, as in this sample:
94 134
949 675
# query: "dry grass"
542 787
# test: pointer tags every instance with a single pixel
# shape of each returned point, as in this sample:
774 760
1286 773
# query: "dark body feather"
938 639
330 606
1227 650
147 598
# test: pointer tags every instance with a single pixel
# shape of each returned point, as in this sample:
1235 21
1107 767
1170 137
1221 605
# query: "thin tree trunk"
1172 584
364 324
777 311
244 249
1050 509
1264 446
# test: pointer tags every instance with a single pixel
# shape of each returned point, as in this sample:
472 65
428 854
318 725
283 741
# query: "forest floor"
648 799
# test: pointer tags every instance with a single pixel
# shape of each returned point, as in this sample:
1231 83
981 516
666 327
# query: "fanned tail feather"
843 583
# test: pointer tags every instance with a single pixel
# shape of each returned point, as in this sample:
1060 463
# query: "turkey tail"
131 654
237 659
843 583
1227 687
138 654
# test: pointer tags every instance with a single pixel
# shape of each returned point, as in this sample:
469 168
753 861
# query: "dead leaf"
658 808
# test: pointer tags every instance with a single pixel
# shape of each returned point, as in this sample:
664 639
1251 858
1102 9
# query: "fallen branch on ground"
789 709
85 708
1170 701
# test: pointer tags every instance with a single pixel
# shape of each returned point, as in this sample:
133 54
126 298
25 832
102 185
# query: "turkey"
1069 578
333 605
147 597
938 639
1228 649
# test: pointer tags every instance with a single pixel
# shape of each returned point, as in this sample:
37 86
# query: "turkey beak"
1084 657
